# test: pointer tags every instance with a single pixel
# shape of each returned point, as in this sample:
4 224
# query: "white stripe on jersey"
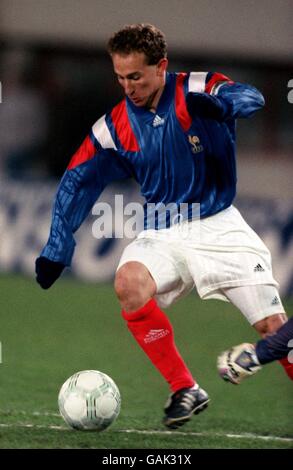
197 82
102 134
216 88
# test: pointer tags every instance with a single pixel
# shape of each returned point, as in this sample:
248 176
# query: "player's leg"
262 307
149 325
270 324
136 284
277 346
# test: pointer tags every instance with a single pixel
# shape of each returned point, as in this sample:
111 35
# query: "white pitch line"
157 432
34 426
208 434
33 413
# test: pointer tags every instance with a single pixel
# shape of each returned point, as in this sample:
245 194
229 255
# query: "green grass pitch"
46 336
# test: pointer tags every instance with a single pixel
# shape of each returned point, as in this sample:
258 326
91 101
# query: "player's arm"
219 98
90 170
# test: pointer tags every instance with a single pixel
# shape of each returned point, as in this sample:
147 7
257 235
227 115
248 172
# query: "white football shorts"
216 255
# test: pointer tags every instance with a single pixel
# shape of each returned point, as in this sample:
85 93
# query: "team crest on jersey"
158 121
194 141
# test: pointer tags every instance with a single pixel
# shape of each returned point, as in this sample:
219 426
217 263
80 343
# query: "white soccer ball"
89 401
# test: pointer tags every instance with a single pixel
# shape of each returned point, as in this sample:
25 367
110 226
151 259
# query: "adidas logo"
153 335
158 121
275 301
258 268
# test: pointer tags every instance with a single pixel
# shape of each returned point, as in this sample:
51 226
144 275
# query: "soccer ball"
89 401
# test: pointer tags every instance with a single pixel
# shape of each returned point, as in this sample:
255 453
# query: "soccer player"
175 134
244 360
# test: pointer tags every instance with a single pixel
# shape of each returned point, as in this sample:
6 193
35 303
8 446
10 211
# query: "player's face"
141 82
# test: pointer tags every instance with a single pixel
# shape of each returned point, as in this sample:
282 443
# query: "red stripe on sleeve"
217 77
182 113
86 152
123 128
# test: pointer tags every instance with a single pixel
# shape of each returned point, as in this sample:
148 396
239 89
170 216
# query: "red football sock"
154 333
288 366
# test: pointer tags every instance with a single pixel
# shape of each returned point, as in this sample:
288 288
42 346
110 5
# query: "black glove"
47 271
206 106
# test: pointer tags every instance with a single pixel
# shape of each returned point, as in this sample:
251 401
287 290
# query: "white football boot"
238 363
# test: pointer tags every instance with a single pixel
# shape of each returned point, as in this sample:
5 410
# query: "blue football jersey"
182 154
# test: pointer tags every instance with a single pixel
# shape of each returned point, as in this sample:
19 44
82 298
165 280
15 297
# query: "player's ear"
162 66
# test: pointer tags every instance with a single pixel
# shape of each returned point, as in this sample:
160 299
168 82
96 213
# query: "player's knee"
270 324
133 286
124 284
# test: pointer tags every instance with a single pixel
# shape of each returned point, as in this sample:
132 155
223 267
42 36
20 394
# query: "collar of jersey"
164 102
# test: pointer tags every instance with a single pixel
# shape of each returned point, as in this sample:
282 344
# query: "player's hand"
47 271
206 106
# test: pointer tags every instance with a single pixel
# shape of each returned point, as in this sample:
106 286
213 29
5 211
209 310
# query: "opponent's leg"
277 346
269 326
238 363
259 304
153 331
246 359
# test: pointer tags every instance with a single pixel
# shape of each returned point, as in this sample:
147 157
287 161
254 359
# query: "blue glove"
206 106
47 271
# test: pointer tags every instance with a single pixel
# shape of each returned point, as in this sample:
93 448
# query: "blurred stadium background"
56 80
